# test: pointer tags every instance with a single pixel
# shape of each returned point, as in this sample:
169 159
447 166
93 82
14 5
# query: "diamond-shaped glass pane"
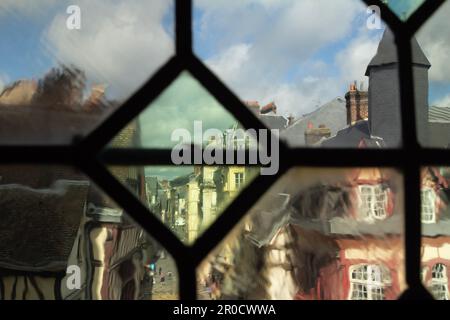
312 236
66 65
311 68
183 113
188 199
432 80
403 8
435 195
63 238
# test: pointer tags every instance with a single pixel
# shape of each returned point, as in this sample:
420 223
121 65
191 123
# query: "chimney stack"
253 106
314 135
357 104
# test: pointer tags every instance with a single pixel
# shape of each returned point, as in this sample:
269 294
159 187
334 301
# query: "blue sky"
121 43
300 54
40 47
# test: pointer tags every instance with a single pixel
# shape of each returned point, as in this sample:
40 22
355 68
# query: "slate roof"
350 136
332 114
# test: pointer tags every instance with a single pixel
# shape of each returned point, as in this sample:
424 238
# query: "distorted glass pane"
435 217
403 8
188 199
317 234
185 113
432 81
63 238
330 81
61 73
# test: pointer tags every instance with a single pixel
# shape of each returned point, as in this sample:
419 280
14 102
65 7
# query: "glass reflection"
435 230
62 238
318 234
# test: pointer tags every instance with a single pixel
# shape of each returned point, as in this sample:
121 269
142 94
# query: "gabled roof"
387 52
350 136
332 114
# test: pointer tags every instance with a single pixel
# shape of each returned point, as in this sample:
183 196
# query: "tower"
384 91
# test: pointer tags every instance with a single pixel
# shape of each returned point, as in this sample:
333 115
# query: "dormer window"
439 282
428 200
368 282
373 202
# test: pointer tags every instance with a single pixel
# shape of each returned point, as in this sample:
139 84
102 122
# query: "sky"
299 53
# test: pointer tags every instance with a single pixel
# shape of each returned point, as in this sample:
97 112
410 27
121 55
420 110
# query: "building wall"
193 214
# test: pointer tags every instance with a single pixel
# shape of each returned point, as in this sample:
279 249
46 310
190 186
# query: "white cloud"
184 102
442 102
353 60
434 39
25 7
120 43
270 52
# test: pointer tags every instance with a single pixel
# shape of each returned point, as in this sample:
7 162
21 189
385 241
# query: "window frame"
87 153
239 180
431 197
439 281
370 204
366 282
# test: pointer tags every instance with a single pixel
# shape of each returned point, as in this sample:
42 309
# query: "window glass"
60 73
403 8
435 230
330 81
432 80
304 240
61 237
188 199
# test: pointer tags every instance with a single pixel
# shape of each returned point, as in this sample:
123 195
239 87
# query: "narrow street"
167 290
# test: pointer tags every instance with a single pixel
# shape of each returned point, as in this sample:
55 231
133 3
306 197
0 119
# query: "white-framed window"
439 282
373 202
238 179
428 201
368 282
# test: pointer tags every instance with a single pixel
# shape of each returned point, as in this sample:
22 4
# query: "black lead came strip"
86 154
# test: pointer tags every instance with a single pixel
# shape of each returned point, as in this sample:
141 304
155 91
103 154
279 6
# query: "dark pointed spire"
387 52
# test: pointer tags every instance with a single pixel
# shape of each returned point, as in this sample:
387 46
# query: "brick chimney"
270 107
314 135
253 106
96 96
357 104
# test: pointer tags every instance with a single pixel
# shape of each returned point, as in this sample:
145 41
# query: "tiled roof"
439 114
19 124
